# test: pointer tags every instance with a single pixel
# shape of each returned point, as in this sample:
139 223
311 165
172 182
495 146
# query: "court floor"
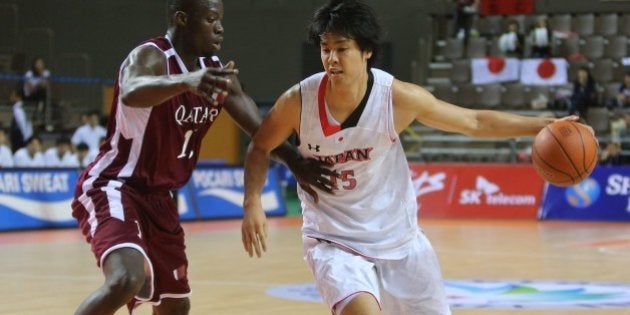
50 272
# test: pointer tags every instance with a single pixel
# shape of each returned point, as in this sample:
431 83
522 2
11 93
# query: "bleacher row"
598 42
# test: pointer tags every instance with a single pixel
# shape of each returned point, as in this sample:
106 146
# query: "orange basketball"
564 153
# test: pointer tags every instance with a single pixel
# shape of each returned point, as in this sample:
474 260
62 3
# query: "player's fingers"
230 65
247 242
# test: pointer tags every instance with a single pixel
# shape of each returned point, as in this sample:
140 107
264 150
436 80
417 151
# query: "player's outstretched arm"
415 103
145 83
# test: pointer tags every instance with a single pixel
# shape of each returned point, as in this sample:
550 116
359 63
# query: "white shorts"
409 286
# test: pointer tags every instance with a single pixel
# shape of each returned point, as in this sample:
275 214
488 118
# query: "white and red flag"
494 69
544 71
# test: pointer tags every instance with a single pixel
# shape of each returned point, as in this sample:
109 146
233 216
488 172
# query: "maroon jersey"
154 148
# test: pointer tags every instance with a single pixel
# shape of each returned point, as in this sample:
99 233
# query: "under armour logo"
313 147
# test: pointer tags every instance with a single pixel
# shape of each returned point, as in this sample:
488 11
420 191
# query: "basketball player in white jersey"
169 91
362 243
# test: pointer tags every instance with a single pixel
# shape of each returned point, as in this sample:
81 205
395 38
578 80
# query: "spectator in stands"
6 156
91 132
464 16
31 155
540 38
610 155
21 125
36 86
61 154
84 155
623 95
511 42
584 93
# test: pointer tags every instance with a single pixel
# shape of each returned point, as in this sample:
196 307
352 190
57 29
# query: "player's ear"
181 18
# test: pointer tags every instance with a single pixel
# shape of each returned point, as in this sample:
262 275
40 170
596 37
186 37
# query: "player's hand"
254 229
577 119
211 83
574 118
311 173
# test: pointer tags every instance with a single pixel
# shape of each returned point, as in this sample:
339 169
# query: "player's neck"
346 95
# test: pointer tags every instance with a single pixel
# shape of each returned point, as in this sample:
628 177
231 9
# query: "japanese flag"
494 69
544 71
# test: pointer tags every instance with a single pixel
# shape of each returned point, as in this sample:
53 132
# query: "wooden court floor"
50 272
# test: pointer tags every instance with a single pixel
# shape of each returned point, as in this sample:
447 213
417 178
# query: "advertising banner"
501 191
218 192
36 198
605 196
41 198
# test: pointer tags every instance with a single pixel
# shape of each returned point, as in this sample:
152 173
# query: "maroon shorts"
116 216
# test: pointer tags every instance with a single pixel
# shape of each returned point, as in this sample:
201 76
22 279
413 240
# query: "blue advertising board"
37 198
218 192
604 196
41 198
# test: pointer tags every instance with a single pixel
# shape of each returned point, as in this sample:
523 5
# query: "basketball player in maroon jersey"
169 91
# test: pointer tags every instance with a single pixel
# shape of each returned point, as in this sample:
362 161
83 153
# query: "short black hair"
82 146
349 18
188 6
63 139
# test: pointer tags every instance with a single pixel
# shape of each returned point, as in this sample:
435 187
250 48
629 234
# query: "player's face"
342 58
205 28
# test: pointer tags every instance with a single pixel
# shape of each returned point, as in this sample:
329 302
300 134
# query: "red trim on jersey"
327 127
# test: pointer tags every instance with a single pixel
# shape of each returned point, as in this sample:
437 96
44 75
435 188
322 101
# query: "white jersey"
373 210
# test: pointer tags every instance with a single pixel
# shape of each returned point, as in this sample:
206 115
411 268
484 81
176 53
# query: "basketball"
564 153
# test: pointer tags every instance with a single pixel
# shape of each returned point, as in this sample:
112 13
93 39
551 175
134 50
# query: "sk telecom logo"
490 193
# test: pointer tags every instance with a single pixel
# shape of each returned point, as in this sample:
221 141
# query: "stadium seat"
454 48
490 95
468 95
561 22
603 70
599 119
446 92
583 24
513 96
593 47
490 25
624 24
535 92
477 47
460 72
606 24
568 46
616 47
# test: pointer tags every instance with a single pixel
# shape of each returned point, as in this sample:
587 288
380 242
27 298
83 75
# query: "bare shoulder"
146 59
410 97
290 99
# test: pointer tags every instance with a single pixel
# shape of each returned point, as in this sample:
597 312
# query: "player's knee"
125 281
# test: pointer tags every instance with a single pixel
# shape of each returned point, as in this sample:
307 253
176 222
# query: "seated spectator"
84 155
21 125
584 93
90 132
540 38
623 95
512 41
31 155
610 155
61 154
36 86
6 155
